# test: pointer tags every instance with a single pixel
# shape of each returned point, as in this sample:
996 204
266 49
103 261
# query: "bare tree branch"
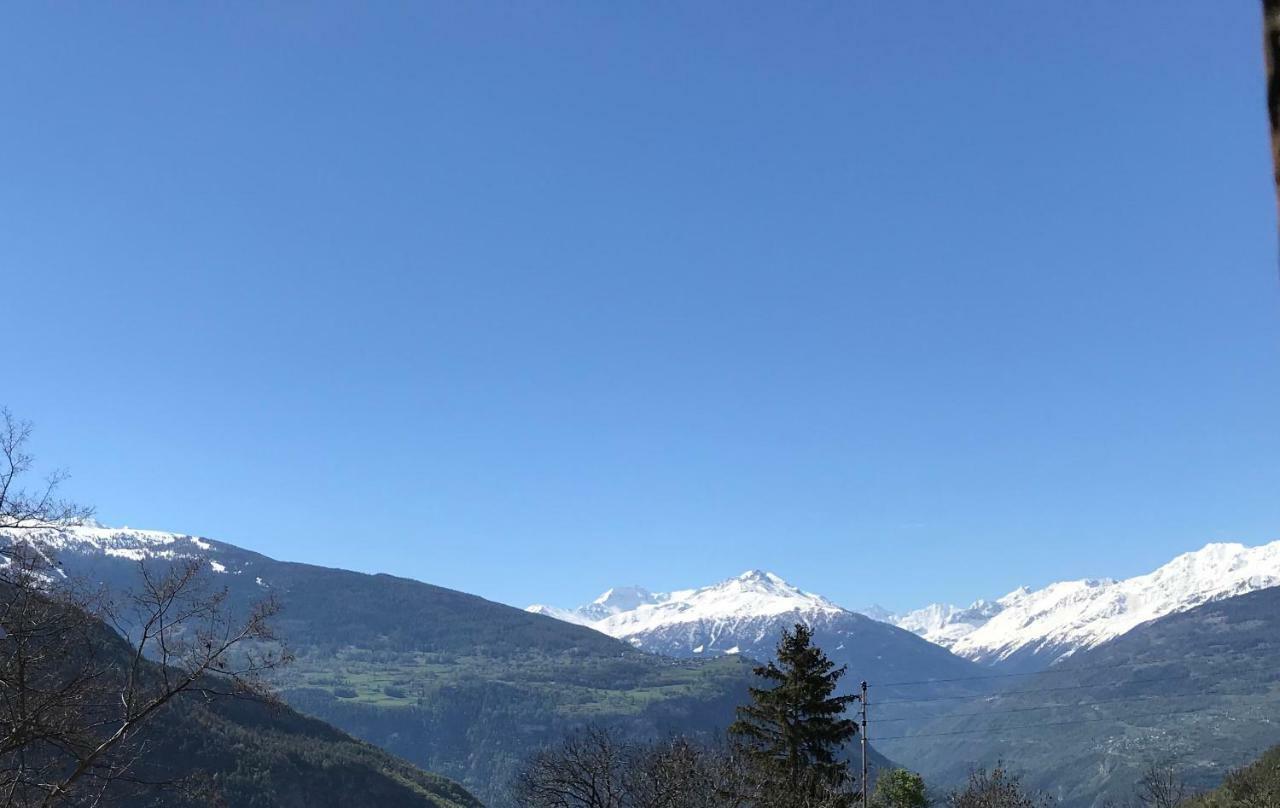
82 675
21 509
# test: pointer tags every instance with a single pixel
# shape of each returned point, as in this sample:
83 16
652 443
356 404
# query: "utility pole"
863 702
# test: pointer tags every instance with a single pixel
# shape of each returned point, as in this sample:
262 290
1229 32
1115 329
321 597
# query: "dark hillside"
1200 688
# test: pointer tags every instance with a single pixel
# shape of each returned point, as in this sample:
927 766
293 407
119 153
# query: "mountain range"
469 688
1024 630
746 615
1032 629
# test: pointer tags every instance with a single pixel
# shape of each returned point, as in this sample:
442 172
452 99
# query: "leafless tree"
1162 786
679 773
997 788
586 770
23 509
51 676
597 768
82 674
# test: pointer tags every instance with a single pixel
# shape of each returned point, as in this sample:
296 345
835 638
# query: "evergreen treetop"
794 728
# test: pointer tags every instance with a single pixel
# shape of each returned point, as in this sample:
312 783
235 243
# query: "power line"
1033 691
1041 725
1047 671
971 697
1012 675
1074 705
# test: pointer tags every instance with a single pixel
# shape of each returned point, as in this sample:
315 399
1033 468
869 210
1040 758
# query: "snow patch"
94 539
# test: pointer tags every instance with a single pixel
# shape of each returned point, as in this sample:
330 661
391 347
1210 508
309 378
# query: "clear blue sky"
905 301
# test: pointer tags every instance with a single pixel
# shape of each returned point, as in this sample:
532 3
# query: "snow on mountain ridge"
619 599
753 595
1045 624
567 615
1063 617
122 542
626 611
748 613
876 612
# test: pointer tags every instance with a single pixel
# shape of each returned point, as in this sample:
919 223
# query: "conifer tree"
793 731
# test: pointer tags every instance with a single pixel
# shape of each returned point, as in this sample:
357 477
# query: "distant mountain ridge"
635 614
746 615
945 624
1026 629
1033 629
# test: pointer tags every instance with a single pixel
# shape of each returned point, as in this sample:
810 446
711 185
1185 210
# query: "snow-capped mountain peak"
754 592
766 584
877 612
1037 625
746 614
624 611
1056 620
625 598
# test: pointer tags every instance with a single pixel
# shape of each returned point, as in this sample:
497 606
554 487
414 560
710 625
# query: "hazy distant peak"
876 612
624 598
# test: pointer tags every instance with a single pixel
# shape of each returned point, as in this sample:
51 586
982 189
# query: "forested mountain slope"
1200 688
261 756
73 716
453 683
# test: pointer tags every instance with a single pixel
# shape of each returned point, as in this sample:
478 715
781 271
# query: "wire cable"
985 696
1044 672
1072 706
1047 671
1032 691
1041 725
